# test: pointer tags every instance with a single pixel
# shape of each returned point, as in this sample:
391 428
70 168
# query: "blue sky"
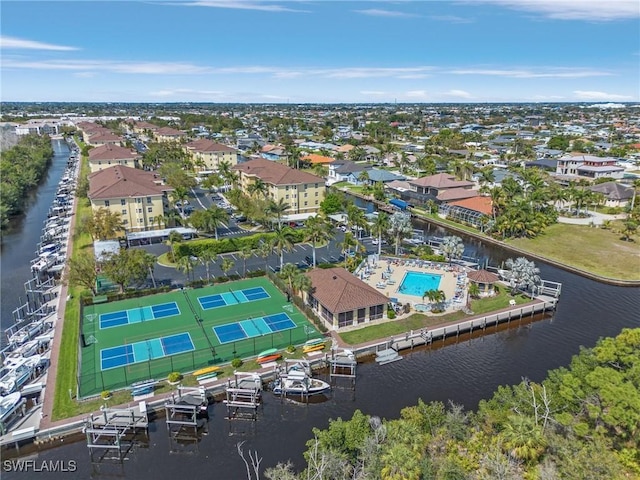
322 51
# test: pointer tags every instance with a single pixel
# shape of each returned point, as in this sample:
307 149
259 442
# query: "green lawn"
419 321
595 250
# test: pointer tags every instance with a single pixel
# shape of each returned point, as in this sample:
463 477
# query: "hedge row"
195 248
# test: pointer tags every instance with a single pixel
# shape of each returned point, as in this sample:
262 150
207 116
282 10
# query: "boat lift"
187 419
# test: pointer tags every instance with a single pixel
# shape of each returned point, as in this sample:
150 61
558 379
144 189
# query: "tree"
126 267
264 250
400 228
207 257
316 230
302 283
380 227
288 272
103 224
186 265
523 274
226 265
245 254
630 227
283 241
452 247
258 188
83 271
172 241
278 209
333 202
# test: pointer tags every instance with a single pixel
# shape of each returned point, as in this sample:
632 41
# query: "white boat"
8 405
27 332
387 356
299 383
18 374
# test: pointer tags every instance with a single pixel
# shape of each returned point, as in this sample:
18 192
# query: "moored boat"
299 383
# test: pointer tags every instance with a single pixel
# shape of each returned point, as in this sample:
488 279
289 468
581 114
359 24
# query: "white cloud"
590 10
149 68
599 96
85 74
370 72
526 73
458 94
375 12
187 92
241 5
22 44
450 19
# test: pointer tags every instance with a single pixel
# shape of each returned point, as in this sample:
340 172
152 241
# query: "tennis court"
232 297
141 314
146 350
253 327
183 330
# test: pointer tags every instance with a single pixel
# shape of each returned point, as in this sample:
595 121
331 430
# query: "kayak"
205 370
313 348
269 358
268 352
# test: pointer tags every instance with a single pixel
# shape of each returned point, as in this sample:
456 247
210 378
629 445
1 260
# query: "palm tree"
523 438
302 283
245 254
316 230
186 264
180 194
347 243
258 187
160 220
207 257
523 274
630 227
172 241
264 250
380 226
355 220
226 265
278 209
452 247
217 216
288 272
283 241
363 177
400 228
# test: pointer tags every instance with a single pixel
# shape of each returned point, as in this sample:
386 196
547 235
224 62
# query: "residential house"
616 194
474 211
104 137
302 191
588 167
346 171
138 196
342 300
315 159
108 155
207 155
274 153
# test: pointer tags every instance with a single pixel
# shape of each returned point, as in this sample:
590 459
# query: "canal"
20 243
465 371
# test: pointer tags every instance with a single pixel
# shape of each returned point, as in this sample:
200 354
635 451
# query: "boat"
299 383
205 370
267 353
387 356
313 348
269 358
13 377
143 387
313 341
8 405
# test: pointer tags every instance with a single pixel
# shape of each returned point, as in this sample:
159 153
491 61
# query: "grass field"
150 357
592 249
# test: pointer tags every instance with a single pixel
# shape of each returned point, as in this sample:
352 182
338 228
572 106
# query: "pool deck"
387 275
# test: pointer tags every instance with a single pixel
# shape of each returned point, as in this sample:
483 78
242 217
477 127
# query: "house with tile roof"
109 155
474 211
441 188
104 137
346 171
207 154
315 159
343 300
302 191
615 194
139 197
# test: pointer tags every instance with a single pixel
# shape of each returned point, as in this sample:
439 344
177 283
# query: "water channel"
465 371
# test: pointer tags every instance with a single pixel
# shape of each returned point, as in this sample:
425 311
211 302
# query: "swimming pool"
416 283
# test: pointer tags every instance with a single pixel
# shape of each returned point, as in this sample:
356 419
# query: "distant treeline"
22 168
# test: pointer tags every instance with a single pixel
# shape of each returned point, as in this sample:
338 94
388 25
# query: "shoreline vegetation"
594 253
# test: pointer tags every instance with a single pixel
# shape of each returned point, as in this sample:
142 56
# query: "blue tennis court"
123 355
136 315
253 327
233 297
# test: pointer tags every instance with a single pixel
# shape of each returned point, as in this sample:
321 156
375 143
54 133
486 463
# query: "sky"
237 51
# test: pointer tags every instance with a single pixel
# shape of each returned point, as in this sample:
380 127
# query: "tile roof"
206 145
168 131
477 204
276 173
482 276
122 182
341 291
613 190
316 159
111 152
455 194
440 180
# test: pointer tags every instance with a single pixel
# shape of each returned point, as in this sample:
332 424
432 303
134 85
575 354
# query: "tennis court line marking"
277 318
124 314
129 350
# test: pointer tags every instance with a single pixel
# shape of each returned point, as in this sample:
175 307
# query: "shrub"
174 377
236 362
391 314
291 349
105 394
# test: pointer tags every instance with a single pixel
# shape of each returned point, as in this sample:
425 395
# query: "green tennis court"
184 330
